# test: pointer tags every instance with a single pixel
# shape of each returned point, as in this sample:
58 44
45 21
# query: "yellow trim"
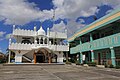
96 24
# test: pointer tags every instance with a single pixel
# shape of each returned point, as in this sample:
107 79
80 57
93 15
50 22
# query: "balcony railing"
106 42
22 32
19 46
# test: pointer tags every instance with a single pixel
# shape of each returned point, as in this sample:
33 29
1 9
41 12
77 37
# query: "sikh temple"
37 46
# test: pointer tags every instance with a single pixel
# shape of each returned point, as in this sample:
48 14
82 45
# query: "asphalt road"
57 72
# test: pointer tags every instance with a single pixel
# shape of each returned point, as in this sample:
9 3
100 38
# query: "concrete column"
35 42
9 56
39 40
113 56
81 58
43 40
34 55
81 55
92 55
80 41
49 58
91 39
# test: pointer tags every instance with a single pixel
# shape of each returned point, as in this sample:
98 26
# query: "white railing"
37 46
19 46
23 32
59 47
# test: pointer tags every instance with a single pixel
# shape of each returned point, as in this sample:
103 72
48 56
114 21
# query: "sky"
69 14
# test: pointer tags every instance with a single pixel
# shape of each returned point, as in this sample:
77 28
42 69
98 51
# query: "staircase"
27 58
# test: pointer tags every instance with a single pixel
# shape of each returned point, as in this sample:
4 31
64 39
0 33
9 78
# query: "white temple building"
32 46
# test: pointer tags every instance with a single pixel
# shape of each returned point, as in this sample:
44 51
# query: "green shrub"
64 60
91 63
111 66
72 60
2 61
77 63
106 66
117 67
68 62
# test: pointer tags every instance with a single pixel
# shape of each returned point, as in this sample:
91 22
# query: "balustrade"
22 46
106 42
23 32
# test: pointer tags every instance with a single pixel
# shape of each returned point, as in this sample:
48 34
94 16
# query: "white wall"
18 58
59 57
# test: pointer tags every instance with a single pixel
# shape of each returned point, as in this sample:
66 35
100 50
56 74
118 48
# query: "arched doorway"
40 58
44 56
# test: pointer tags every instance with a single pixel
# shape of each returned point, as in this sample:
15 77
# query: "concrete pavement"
57 72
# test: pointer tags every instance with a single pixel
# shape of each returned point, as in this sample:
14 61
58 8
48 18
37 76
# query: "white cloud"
109 11
58 3
81 20
61 27
0 50
73 27
2 33
20 12
8 36
73 9
89 12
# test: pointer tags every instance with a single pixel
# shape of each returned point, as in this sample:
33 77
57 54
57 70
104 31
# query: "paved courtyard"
57 72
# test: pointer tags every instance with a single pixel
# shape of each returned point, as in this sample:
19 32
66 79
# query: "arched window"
37 41
45 41
41 41
26 41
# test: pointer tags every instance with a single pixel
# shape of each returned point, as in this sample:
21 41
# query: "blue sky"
69 14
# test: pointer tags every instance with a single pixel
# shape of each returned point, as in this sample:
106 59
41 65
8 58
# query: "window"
26 41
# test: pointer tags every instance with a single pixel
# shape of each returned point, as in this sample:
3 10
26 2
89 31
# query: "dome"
41 31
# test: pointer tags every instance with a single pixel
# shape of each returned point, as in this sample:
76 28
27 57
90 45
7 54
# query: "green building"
98 42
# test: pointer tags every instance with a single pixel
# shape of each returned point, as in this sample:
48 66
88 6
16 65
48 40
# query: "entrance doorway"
43 56
40 58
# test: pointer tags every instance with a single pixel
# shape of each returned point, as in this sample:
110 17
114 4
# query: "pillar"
49 58
91 39
81 55
43 40
113 56
92 55
81 58
39 40
34 58
48 33
9 57
80 41
92 52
